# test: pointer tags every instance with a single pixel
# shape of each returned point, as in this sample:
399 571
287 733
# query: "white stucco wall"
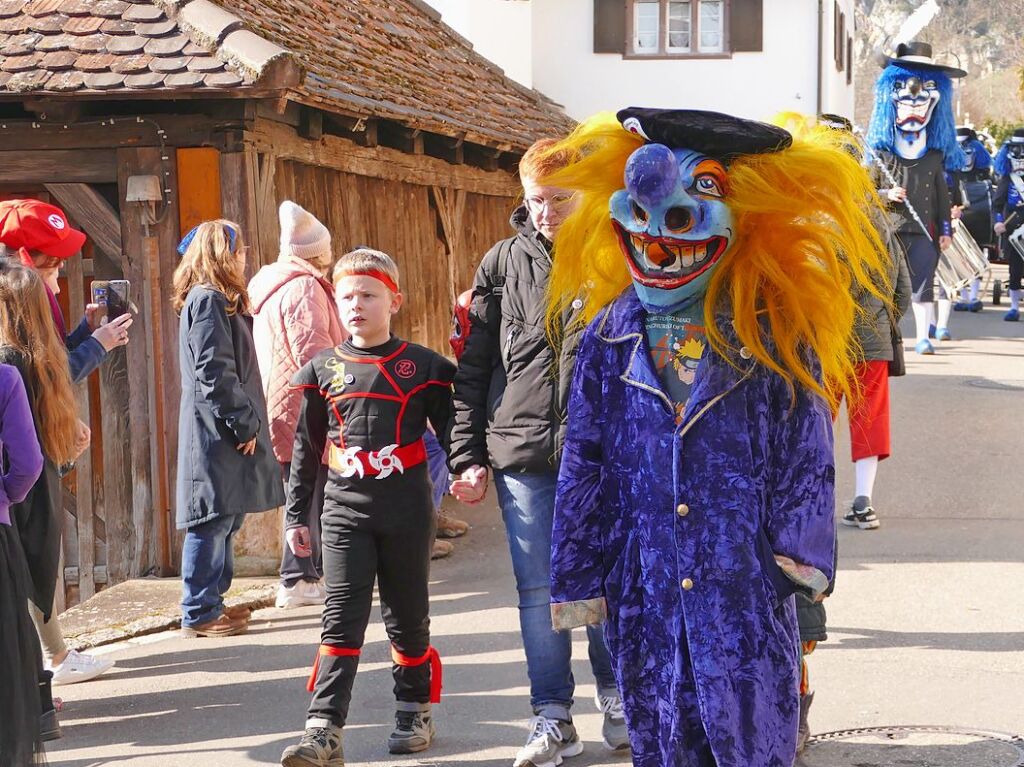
500 30
757 85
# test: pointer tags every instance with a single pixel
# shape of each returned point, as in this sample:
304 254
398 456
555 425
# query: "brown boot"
442 549
238 612
450 527
221 626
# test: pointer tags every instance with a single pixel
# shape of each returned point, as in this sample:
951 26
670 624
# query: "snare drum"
962 262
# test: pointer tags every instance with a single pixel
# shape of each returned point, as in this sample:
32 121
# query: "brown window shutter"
610 26
746 25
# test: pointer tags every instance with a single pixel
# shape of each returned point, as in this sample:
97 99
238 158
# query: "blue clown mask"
915 99
674 224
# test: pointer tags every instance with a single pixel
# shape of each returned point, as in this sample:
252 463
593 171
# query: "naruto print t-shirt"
677 343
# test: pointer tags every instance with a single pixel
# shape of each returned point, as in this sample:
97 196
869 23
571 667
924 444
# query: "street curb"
254 598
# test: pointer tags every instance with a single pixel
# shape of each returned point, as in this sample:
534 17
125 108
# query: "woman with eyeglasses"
226 467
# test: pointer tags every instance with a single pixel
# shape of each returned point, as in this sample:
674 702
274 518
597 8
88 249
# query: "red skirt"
869 412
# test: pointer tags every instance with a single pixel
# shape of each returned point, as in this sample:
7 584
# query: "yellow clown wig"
803 241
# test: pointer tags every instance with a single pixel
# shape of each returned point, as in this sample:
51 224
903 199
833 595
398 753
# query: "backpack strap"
499 276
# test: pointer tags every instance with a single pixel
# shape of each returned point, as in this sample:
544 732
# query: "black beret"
714 134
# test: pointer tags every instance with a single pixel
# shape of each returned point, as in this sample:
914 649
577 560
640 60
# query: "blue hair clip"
187 239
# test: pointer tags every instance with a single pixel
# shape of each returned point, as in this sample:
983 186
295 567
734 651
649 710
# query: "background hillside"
985 36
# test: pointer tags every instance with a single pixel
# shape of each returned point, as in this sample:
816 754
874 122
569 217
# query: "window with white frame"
678 27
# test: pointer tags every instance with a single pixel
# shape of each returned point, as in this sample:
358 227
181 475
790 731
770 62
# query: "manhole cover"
998 385
913 747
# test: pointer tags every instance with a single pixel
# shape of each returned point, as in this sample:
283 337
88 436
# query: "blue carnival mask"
673 222
968 151
915 99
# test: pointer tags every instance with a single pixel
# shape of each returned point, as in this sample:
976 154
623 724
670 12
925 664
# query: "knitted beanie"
302 235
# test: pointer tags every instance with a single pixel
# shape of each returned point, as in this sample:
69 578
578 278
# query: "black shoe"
861 514
414 731
318 747
804 732
49 727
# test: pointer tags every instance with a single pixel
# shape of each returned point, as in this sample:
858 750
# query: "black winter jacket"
512 386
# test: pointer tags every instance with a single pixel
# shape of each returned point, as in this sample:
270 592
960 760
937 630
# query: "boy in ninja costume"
971 188
913 129
691 508
1008 204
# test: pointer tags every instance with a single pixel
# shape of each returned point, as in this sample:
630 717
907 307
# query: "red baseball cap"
35 225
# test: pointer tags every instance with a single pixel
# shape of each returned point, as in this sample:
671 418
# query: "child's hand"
471 486
298 541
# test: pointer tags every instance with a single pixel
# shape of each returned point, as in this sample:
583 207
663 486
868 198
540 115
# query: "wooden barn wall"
403 220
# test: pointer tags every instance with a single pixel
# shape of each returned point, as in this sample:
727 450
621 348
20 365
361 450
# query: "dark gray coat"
512 386
222 406
874 327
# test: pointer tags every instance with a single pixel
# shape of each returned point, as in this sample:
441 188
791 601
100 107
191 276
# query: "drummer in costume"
971 190
694 500
1009 206
913 130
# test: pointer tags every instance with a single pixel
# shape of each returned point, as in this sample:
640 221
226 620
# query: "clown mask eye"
708 186
899 85
929 85
639 213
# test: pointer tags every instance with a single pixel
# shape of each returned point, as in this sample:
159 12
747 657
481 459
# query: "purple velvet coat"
695 536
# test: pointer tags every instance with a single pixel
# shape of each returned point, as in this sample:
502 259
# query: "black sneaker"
414 731
49 726
318 747
861 514
804 731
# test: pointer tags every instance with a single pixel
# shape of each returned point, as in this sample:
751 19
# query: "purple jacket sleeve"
23 458
801 505
577 567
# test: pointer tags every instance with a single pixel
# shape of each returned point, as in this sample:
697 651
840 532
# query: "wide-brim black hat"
918 55
966 134
714 134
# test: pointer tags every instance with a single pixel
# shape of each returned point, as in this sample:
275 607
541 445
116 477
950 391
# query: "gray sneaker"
616 737
414 731
550 741
319 747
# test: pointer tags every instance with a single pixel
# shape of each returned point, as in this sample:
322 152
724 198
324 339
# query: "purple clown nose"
651 174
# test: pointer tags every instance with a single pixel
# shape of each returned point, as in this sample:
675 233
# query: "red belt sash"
374 463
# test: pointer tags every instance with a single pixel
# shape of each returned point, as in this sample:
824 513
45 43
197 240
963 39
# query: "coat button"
687 584
682 509
745 353
577 304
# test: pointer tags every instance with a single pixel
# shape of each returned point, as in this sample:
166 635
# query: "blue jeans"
528 505
207 567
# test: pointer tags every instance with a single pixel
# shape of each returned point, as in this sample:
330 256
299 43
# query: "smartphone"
111 296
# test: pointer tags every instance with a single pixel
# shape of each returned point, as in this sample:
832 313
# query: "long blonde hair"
210 260
803 238
27 327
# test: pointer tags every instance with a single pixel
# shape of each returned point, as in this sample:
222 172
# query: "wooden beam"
96 166
238 174
137 552
83 466
90 210
116 418
311 123
104 133
378 162
55 111
100 576
448 148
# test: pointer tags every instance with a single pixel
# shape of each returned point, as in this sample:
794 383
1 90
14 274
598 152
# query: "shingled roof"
389 59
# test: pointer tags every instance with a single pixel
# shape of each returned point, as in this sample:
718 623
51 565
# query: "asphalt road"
926 625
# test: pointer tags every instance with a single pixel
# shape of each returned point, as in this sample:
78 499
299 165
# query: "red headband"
377 275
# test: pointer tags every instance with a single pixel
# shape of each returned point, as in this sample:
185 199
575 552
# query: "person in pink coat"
295 318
